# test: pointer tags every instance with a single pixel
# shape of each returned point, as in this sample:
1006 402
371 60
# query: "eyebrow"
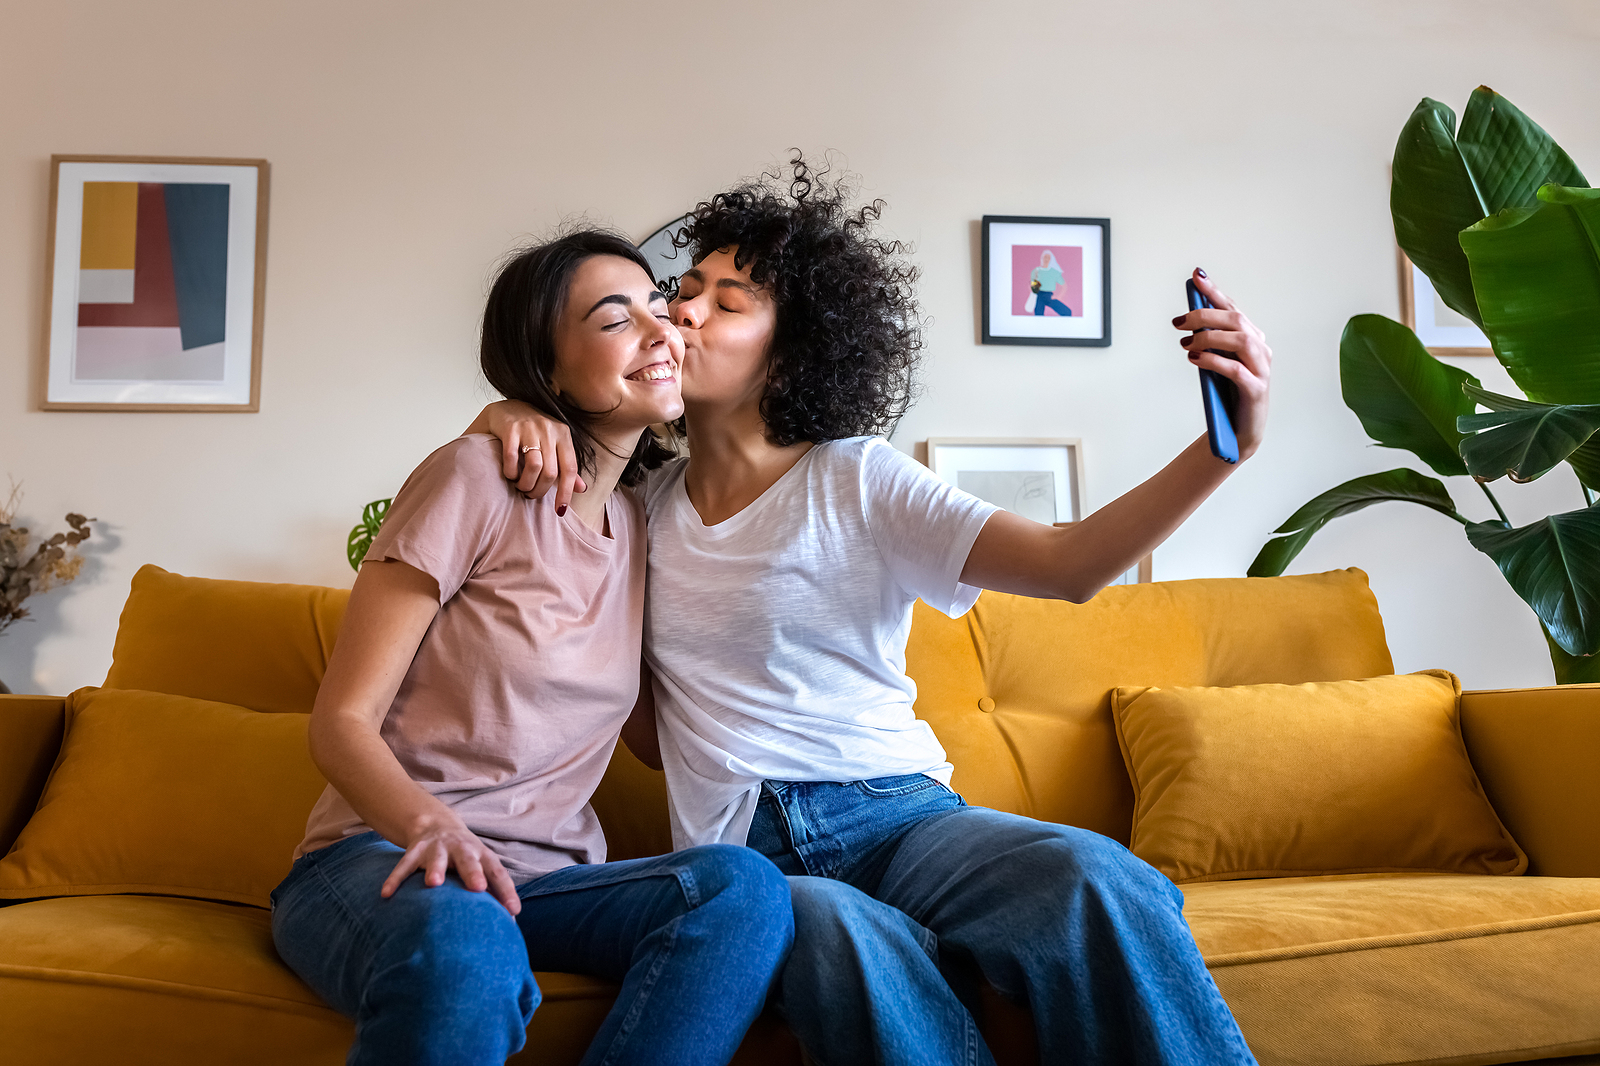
623 300
727 283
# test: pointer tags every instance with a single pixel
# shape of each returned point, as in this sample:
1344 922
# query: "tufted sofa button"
985 704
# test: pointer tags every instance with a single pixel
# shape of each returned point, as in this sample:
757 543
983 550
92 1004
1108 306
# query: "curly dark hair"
848 338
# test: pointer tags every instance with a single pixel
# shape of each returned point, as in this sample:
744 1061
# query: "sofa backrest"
249 643
1017 690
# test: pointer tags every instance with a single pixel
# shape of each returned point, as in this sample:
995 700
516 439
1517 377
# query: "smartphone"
1219 395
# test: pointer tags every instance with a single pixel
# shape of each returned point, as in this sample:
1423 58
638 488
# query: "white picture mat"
234 388
1003 236
948 457
1425 304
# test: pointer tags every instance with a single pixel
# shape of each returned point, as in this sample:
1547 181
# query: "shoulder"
658 482
466 467
881 460
868 461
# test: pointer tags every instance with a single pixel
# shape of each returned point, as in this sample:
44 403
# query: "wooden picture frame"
173 256
1037 477
1440 340
1069 258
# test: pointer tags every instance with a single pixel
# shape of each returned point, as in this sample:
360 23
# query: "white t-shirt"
778 637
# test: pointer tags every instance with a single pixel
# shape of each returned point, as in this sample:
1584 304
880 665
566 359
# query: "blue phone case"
1217 393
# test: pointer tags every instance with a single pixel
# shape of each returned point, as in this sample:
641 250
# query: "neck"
731 461
589 506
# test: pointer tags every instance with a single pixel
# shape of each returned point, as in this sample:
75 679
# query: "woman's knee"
453 944
720 868
1085 861
747 885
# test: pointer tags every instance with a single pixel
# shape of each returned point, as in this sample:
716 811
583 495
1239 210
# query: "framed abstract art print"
155 284
1046 281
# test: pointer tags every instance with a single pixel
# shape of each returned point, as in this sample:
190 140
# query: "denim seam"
795 849
360 924
647 986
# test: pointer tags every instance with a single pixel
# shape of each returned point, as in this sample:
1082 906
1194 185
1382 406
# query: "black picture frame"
1099 339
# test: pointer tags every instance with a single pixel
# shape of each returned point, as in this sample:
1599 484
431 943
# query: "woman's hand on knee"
435 850
536 451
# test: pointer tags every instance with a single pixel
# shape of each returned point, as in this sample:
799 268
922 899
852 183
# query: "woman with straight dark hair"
484 670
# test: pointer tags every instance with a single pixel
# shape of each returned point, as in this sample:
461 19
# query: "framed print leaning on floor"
1036 477
155 284
1046 281
1442 329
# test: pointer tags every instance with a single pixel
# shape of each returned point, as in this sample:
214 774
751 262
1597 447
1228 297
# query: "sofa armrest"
30 736
1537 752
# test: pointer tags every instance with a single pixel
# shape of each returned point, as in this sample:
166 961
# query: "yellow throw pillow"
1331 777
167 795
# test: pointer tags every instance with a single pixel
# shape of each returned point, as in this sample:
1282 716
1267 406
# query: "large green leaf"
1554 565
1444 181
1508 154
1585 461
1432 198
1537 274
1525 444
1403 484
1404 397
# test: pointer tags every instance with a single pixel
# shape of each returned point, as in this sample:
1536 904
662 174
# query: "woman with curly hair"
785 553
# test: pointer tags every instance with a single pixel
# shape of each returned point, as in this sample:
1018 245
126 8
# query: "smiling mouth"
653 372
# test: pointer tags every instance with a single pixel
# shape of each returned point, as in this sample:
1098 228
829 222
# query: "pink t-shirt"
514 700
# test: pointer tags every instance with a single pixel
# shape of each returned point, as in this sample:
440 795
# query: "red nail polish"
561 512
1201 272
1179 320
1194 357
1185 341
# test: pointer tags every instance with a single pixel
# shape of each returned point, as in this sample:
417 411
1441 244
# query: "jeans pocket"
904 785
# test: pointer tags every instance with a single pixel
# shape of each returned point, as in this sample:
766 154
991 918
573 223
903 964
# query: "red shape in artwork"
155 297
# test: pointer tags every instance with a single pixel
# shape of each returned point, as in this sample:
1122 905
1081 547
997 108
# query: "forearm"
1012 554
363 770
1114 538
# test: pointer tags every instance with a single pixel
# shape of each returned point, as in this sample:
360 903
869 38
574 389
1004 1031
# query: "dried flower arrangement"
53 562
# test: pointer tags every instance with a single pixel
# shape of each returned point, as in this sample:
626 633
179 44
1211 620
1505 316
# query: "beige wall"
412 143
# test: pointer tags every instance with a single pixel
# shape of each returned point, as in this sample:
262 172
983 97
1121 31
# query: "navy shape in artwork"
197 227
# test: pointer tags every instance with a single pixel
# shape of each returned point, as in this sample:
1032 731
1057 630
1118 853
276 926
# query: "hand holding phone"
1217 393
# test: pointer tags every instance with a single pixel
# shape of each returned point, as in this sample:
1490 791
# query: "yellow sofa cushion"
169 795
1404 968
1018 690
151 981
253 644
1320 778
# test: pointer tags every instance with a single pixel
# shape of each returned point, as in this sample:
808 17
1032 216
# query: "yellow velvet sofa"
1340 970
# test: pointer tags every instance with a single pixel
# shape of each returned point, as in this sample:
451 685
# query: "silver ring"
529 448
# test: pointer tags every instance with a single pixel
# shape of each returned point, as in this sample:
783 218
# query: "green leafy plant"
372 516
1503 223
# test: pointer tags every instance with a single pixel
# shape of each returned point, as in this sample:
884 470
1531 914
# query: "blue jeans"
445 975
1043 300
913 896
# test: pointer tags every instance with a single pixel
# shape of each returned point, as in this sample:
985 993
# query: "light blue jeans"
905 898
445 975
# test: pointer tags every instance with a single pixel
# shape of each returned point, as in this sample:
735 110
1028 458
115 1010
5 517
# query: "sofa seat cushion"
155 980
1358 970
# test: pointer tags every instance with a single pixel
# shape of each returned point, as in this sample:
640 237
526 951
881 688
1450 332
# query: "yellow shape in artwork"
110 225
